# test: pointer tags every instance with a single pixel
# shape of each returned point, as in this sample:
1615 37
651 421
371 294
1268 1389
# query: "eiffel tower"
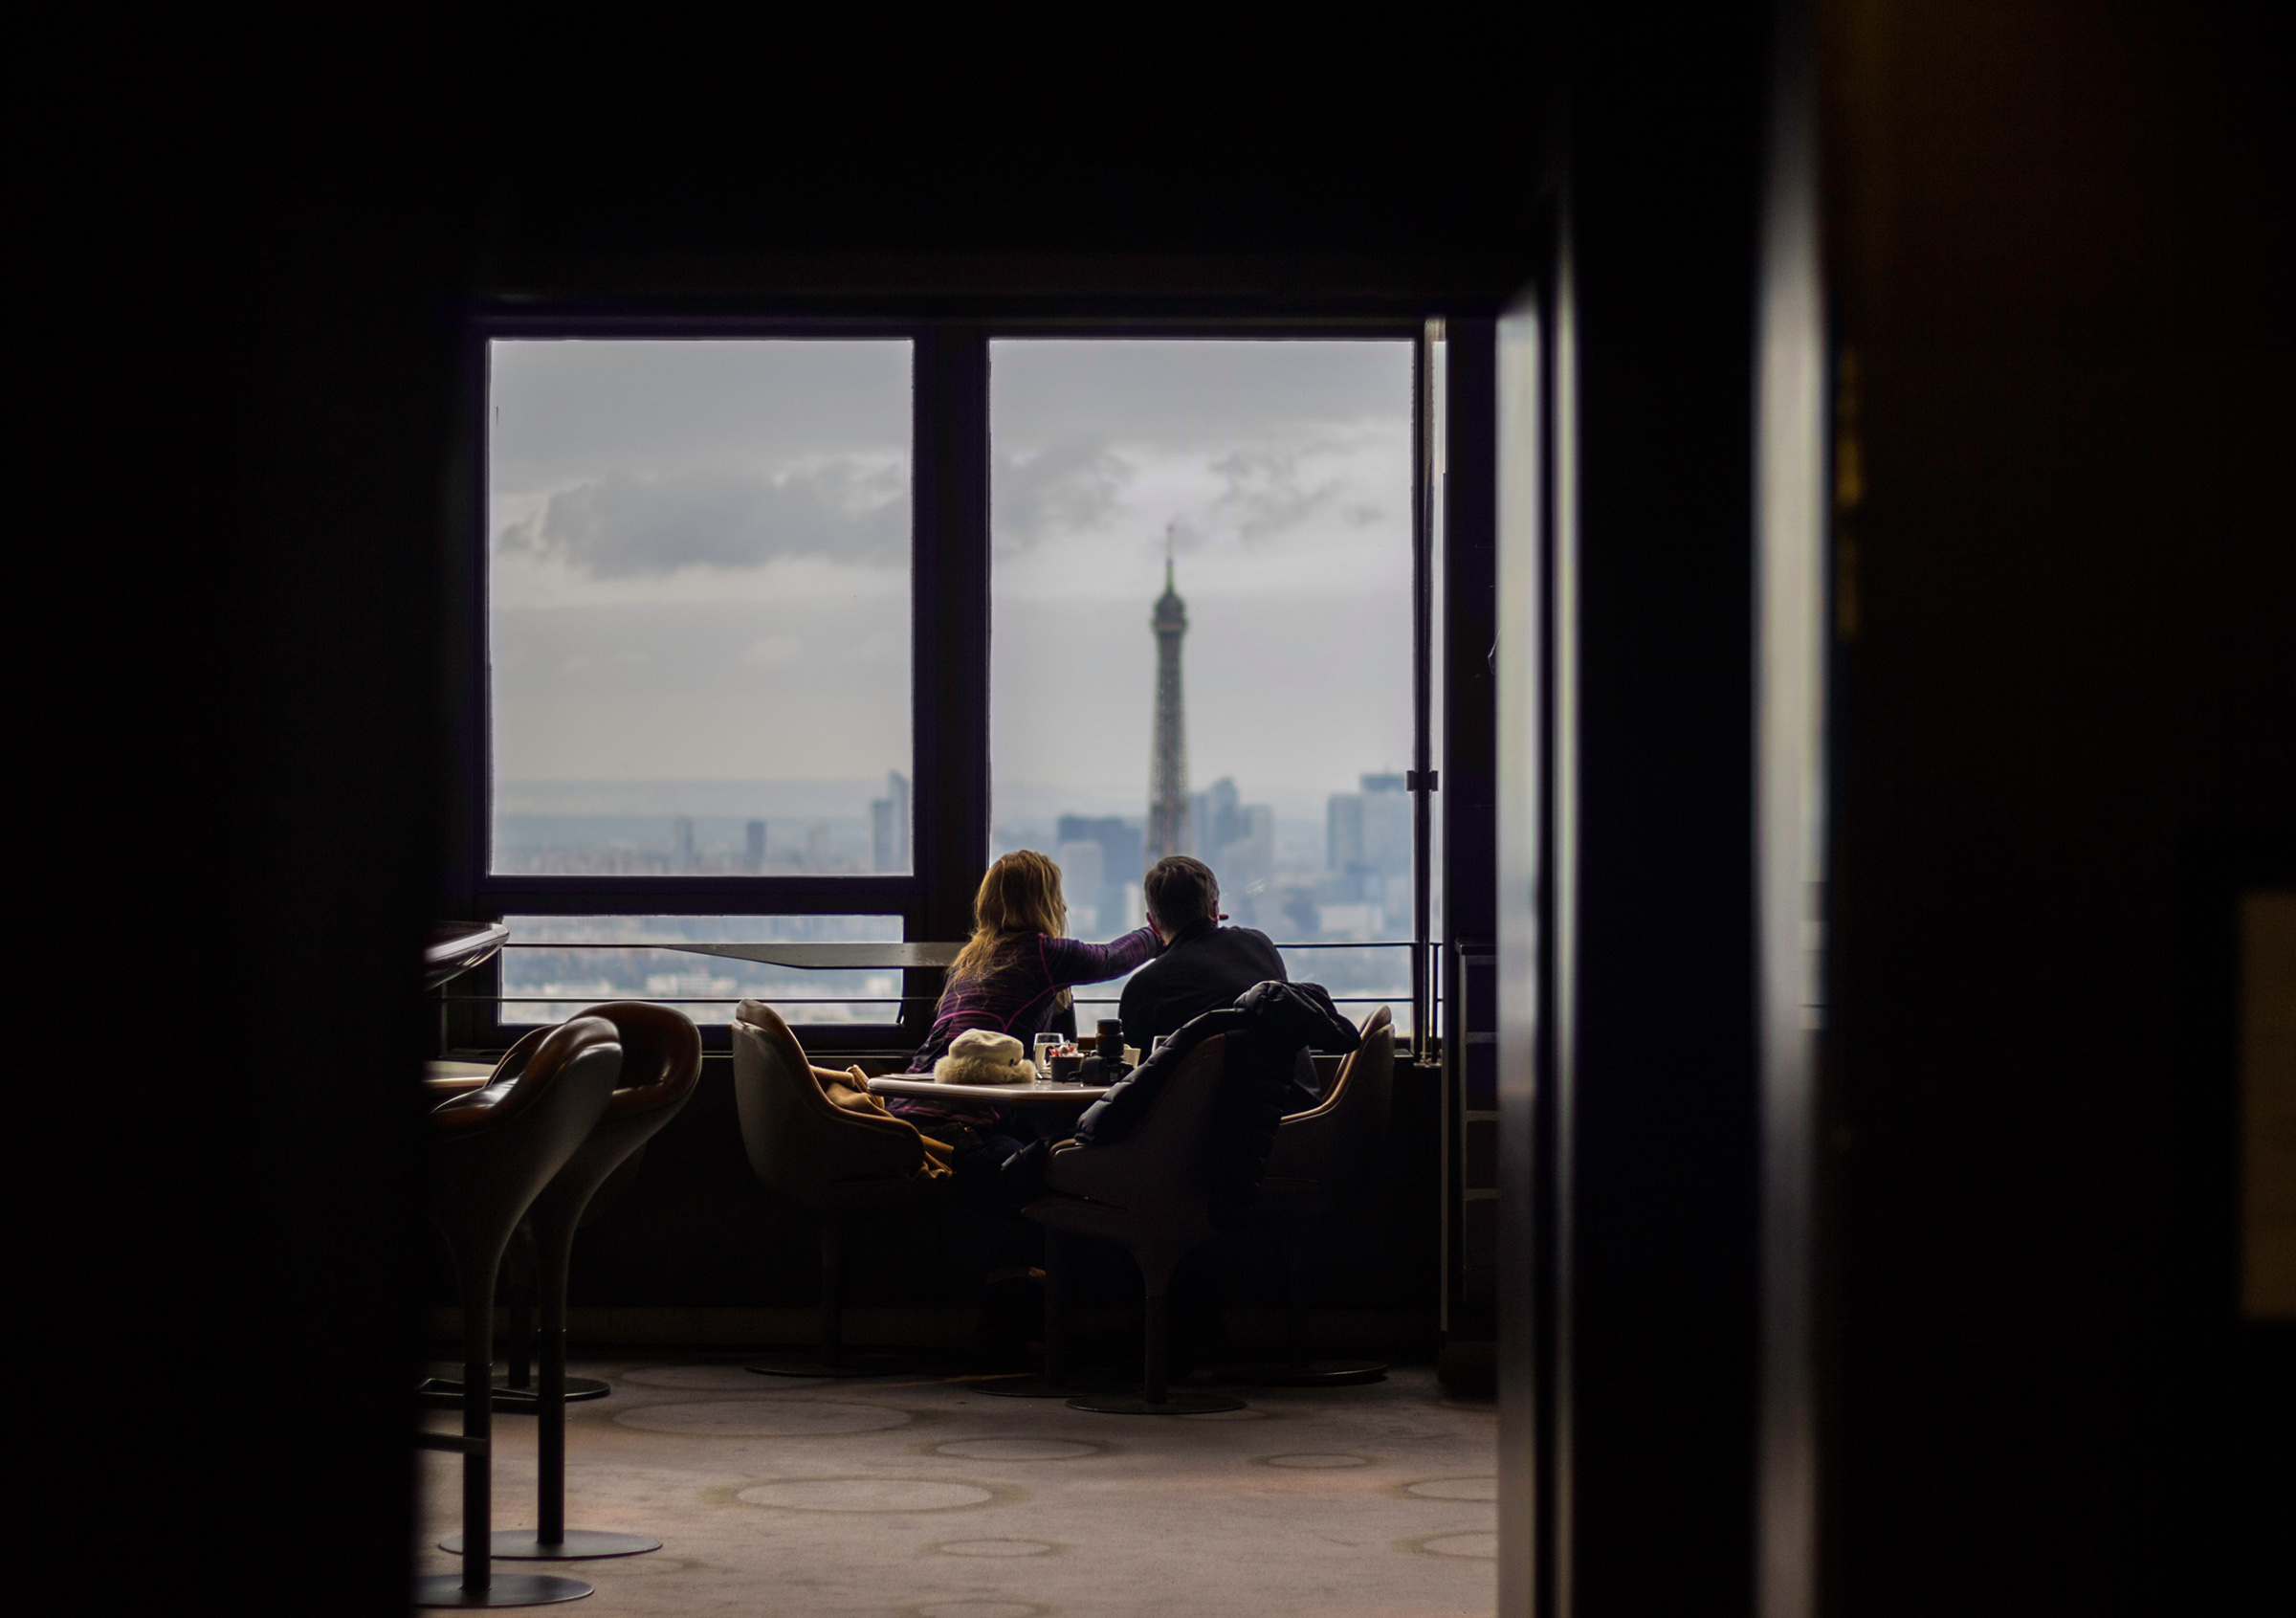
1168 768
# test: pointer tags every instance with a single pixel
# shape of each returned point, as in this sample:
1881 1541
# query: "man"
1204 965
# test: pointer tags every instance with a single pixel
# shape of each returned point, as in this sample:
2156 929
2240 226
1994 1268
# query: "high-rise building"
1168 760
1368 836
681 837
1114 892
889 825
752 848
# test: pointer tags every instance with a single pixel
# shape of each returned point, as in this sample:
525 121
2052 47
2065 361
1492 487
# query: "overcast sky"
700 562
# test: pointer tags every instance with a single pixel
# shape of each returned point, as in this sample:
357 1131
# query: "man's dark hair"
1182 890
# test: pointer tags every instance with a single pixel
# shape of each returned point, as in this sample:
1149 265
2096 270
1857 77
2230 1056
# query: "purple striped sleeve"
1072 960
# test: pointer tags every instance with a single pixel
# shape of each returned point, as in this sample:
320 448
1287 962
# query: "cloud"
1266 492
1069 486
623 525
772 651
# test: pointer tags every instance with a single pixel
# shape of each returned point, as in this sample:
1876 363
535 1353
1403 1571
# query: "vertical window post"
1426 490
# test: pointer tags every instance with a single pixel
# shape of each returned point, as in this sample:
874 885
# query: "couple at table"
1014 976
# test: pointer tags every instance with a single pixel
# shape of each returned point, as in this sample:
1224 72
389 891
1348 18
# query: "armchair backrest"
798 1140
1334 1141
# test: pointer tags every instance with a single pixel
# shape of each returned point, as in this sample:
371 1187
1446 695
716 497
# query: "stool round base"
1181 1402
445 1393
1317 1373
1031 1385
506 1589
580 1544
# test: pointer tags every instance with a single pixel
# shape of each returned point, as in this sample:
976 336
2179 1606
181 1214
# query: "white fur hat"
978 1056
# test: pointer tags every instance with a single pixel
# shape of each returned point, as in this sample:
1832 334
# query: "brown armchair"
1322 1157
843 1167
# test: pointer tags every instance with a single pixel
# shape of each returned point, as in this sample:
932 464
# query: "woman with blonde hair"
1012 978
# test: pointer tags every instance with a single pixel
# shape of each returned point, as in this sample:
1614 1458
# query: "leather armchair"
1322 1159
1150 1192
843 1167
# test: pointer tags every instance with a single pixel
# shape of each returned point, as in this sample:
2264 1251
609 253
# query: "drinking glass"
1045 1045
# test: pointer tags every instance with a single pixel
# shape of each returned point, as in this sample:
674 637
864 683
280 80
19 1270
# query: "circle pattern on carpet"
709 1379
1015 1448
892 1495
1455 1489
994 1547
1314 1462
765 1418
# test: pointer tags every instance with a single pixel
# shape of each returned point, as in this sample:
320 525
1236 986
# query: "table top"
457 946
920 1087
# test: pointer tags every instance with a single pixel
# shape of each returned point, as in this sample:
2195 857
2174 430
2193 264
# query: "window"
698 595
1201 572
780 633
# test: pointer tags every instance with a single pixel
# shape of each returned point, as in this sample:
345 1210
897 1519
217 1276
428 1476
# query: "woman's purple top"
1015 997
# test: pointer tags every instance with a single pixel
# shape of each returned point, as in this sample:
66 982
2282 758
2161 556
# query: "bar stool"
1150 1192
491 1153
844 1167
1321 1157
661 1059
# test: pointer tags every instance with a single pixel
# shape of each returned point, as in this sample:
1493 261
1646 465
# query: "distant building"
1106 880
753 846
1368 840
889 826
1237 840
681 839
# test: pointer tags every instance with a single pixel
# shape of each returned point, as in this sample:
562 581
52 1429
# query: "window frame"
951 463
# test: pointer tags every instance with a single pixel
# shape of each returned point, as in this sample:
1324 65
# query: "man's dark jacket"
1204 967
1266 1029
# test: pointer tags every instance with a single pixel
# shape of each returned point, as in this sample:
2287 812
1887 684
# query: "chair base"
856 1362
1179 1401
506 1590
580 1544
1031 1385
445 1393
1317 1373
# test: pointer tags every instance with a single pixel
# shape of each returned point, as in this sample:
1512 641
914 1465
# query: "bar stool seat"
661 1062
493 1151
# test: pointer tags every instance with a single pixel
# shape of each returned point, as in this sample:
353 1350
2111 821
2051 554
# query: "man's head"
1180 892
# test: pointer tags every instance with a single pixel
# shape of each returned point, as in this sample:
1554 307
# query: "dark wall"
1663 177
2061 263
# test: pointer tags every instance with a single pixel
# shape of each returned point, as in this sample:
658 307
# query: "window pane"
568 961
1267 486
700 606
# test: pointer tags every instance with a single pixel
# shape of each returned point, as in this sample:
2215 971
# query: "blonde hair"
1021 895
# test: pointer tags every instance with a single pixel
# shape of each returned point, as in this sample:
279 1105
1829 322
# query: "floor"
928 1499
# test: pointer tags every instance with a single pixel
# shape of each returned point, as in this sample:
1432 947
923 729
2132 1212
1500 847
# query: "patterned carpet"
928 1499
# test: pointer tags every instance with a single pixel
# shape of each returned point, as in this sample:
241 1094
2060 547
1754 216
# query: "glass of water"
1045 1045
